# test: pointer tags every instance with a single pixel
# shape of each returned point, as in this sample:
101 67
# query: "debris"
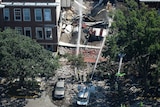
69 15
98 32
67 28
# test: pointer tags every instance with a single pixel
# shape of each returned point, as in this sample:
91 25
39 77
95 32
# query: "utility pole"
99 54
79 3
80 25
102 45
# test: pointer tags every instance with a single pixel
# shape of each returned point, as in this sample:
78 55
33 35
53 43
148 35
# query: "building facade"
36 19
152 3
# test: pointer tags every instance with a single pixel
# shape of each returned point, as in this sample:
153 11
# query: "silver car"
83 96
59 90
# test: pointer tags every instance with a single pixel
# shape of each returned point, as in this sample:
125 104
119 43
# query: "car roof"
60 84
83 93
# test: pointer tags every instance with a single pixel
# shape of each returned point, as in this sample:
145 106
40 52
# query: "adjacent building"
37 19
152 3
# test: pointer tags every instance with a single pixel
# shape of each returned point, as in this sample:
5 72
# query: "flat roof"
150 0
30 4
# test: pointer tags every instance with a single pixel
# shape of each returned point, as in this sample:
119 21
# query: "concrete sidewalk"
43 101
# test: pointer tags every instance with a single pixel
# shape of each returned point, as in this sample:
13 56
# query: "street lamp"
119 74
121 55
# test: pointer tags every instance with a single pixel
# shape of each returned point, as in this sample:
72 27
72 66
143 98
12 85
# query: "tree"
137 30
21 57
77 62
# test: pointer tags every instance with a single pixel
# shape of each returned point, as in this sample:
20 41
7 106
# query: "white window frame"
26 14
46 36
38 15
6 13
47 14
15 14
37 34
29 29
19 30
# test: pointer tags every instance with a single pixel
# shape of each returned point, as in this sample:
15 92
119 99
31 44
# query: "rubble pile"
94 28
65 72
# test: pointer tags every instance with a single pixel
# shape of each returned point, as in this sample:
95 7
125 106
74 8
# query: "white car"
59 90
83 96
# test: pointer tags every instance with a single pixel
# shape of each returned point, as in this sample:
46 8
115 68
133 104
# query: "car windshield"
60 88
82 99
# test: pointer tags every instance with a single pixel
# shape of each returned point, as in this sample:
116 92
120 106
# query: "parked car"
83 96
59 90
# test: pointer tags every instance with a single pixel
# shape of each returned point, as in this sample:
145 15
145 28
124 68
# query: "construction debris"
93 29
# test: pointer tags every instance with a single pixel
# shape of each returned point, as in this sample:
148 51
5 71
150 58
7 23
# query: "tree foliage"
77 61
22 57
137 33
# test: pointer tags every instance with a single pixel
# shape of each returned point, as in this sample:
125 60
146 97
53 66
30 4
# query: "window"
6 15
39 33
47 14
6 27
19 30
17 14
48 33
38 14
26 14
49 47
27 31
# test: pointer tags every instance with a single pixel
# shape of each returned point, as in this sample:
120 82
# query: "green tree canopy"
138 30
136 33
22 57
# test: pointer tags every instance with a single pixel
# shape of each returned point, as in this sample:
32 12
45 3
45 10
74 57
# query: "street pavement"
43 101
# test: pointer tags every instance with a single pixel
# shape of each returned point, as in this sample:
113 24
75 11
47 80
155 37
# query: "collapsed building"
93 29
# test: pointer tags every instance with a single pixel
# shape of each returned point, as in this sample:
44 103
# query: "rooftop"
29 4
150 0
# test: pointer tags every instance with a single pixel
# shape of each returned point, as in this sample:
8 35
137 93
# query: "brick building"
37 19
152 3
